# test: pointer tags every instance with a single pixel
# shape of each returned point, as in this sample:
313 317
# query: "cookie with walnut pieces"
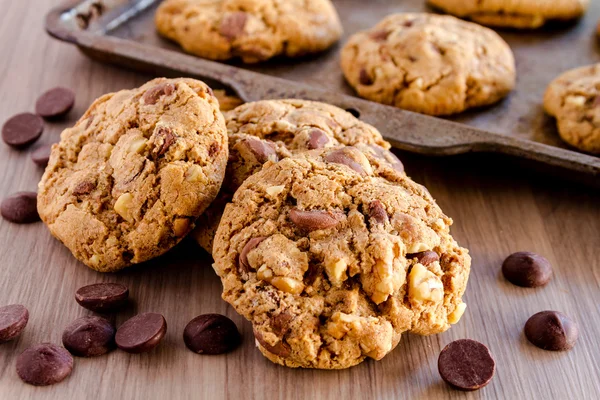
332 258
128 181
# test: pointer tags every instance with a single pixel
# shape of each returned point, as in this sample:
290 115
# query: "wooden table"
499 206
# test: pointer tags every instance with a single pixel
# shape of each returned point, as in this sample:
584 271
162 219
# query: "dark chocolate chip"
314 219
55 103
250 245
364 78
102 297
89 337
377 212
20 208
13 319
168 138
153 94
44 364
22 130
261 150
280 349
211 334
280 323
41 155
552 330
233 25
317 139
141 333
342 157
466 364
84 188
527 269
425 257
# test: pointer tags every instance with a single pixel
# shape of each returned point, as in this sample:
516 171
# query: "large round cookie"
254 30
271 130
432 64
331 260
574 100
524 14
127 182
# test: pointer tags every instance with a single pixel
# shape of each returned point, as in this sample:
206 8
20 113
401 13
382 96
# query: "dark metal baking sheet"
122 32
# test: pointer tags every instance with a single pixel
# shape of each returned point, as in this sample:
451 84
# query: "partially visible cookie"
332 261
271 130
432 64
252 30
522 14
127 182
574 100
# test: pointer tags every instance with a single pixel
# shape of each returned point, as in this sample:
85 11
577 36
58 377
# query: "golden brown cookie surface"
127 182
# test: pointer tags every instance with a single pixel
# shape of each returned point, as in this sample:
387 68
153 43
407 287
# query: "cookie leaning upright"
574 100
432 64
332 258
252 30
127 182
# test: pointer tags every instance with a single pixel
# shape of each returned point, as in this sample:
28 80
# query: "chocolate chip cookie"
251 30
574 100
332 260
272 130
521 14
432 64
127 182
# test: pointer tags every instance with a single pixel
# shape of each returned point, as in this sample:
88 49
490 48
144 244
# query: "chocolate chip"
152 95
466 364
22 130
233 25
280 349
317 139
13 319
250 245
167 137
44 364
388 157
281 323
102 297
84 188
341 157
364 78
552 330
89 337
527 269
211 334
141 333
20 208
314 219
261 150
377 212
41 155
425 257
213 149
55 103
380 36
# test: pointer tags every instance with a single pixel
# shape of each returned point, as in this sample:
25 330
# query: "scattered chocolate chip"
153 94
281 349
213 149
377 212
89 337
41 155
233 25
388 157
102 297
425 257
44 364
84 188
261 150
317 139
55 103
250 245
527 269
466 364
141 333
211 334
281 323
13 319
380 36
20 208
314 219
22 130
364 78
168 138
552 330
341 157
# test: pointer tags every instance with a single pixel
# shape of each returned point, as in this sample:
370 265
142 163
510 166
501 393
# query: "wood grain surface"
499 206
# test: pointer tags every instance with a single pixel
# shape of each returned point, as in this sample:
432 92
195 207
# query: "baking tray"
122 32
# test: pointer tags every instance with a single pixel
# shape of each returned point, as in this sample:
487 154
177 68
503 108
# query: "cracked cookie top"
574 100
524 14
331 258
127 182
253 30
271 130
432 64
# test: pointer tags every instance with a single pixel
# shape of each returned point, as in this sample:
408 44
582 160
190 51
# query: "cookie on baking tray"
332 260
252 30
127 182
574 100
521 14
432 64
271 130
